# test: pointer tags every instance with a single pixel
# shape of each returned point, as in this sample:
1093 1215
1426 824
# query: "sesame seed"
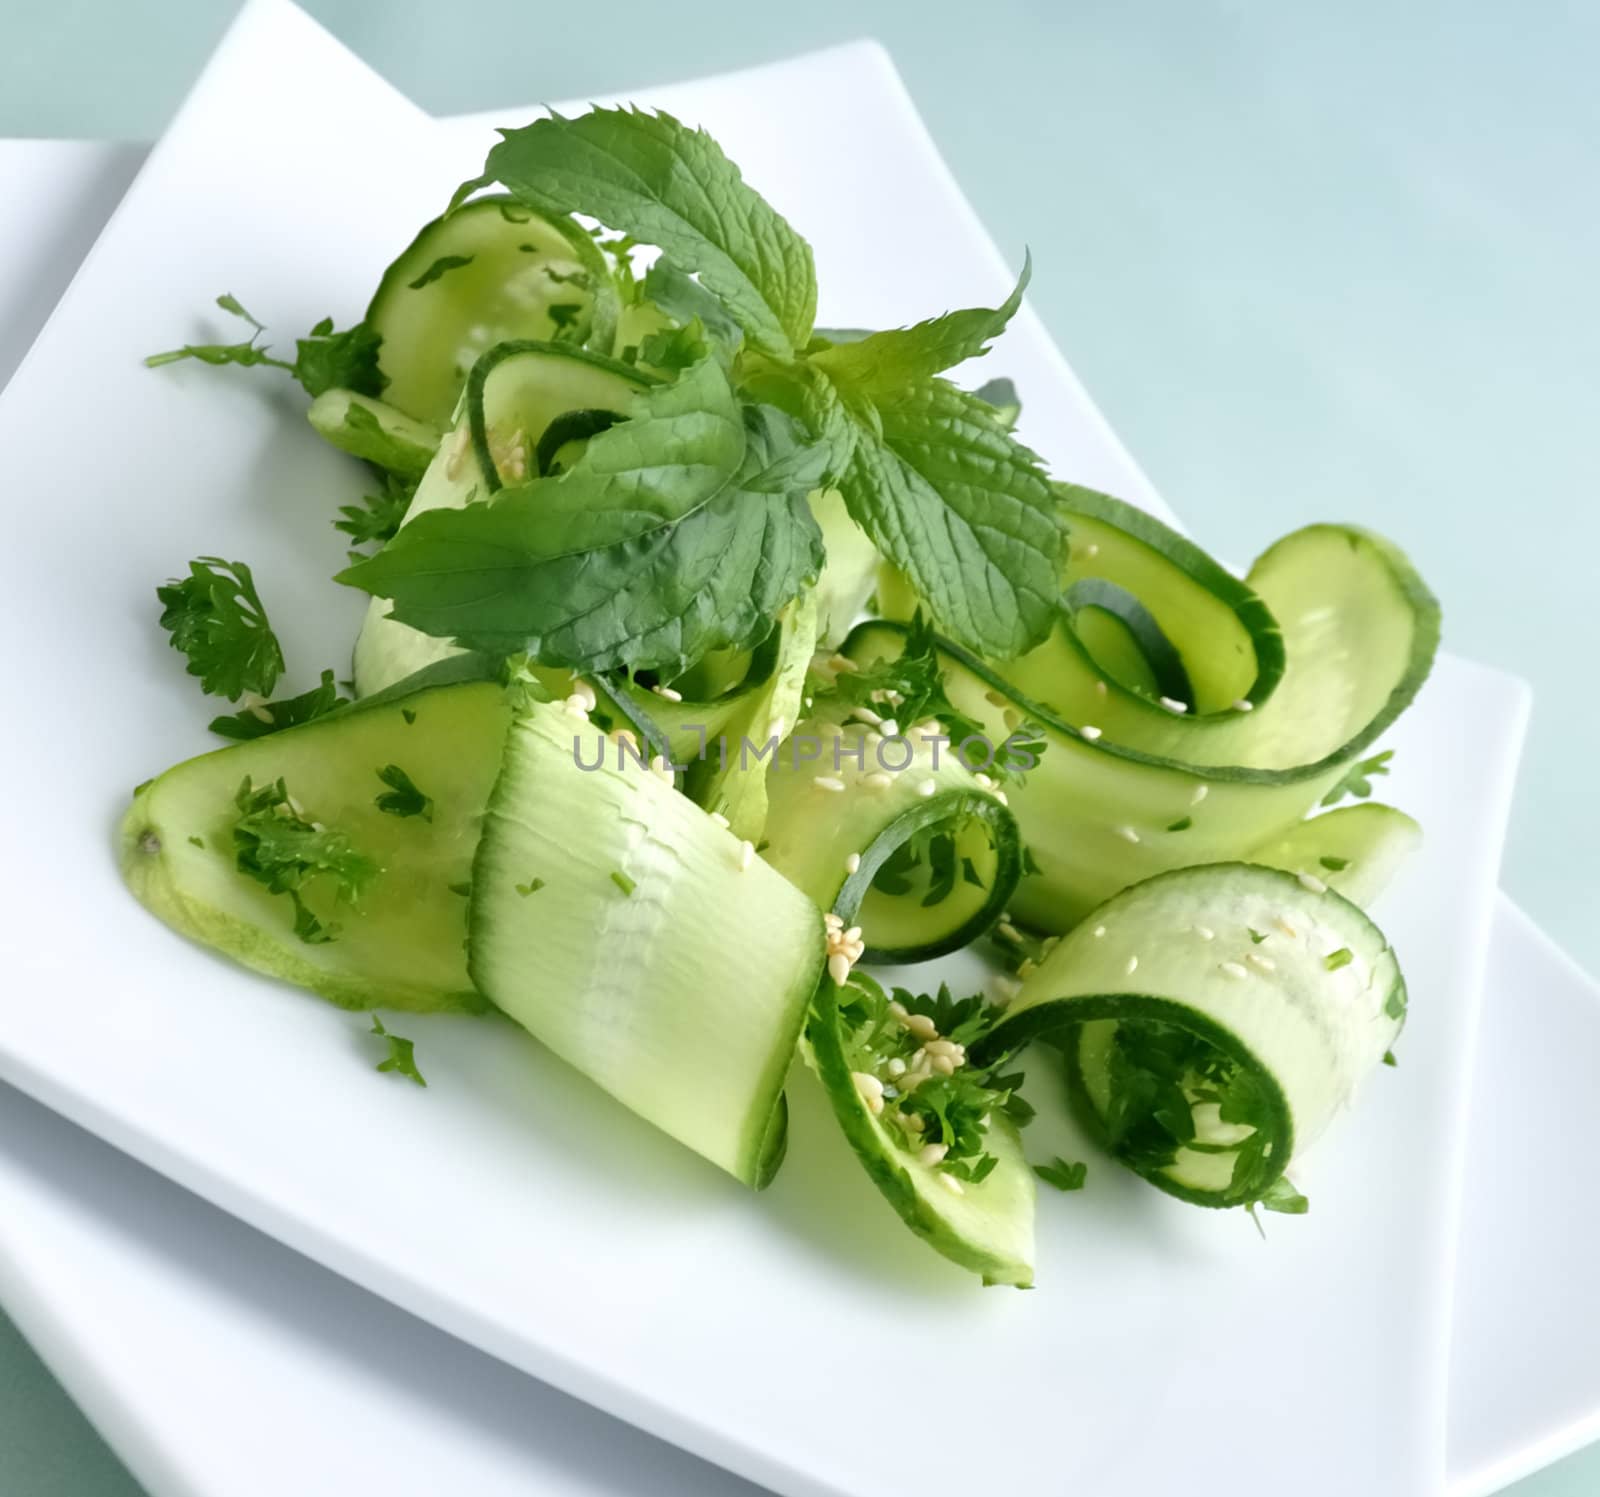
1265 963
931 1154
625 737
852 864
261 711
1312 882
1172 704
1205 932
896 1066
668 693
1200 793
888 727
843 663
867 715
1004 989
747 853
721 820
1233 969
1099 931
839 968
828 782
1244 704
1286 927
921 1026
953 1185
942 1047
930 728
1009 931
1089 731
1127 834
853 934
1132 967
944 1064
573 707
1001 796
585 693
896 1008
912 1120
982 781
927 788
878 780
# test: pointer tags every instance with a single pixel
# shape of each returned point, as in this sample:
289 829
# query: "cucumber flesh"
1100 812
489 272
985 1226
1356 850
611 918
402 945
375 431
1227 980
850 572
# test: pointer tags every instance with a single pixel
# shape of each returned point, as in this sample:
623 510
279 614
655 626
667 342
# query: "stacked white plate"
538 1228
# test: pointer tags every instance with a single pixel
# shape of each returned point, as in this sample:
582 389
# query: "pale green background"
1314 261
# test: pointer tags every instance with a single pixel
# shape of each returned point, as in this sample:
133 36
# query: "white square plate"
510 1203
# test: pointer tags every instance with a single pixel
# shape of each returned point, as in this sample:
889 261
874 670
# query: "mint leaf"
886 363
1062 1174
216 618
680 530
262 718
949 496
402 1058
659 182
685 300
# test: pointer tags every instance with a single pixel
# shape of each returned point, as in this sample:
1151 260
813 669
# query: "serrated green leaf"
662 183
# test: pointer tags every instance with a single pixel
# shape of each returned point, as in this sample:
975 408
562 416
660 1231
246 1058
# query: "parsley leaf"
402 798
1358 778
886 363
402 1058
216 618
383 513
1062 1174
948 495
659 182
276 846
324 360
262 718
1282 1196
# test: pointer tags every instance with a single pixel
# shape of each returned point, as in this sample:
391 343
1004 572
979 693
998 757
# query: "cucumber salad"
713 658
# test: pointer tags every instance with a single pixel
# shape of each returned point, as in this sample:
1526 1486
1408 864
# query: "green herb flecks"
1062 1174
402 1057
1358 778
280 849
262 718
440 267
402 798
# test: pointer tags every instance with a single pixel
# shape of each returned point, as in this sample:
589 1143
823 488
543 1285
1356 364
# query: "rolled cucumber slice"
1356 850
984 1225
894 835
1215 1020
517 392
402 944
488 272
1127 787
614 920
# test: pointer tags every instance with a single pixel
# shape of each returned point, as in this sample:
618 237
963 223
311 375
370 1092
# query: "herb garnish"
1358 778
402 1057
402 798
215 617
272 717
1062 1174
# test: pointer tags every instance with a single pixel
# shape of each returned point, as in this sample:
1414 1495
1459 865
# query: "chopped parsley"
259 720
533 886
623 882
382 514
1358 778
402 1057
1334 865
1337 959
402 798
440 267
276 846
1062 1174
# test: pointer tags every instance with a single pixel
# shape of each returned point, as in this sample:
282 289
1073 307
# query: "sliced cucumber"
850 572
403 944
612 918
1356 849
375 431
489 272
912 848
984 1225
1126 787
1215 1020
518 391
